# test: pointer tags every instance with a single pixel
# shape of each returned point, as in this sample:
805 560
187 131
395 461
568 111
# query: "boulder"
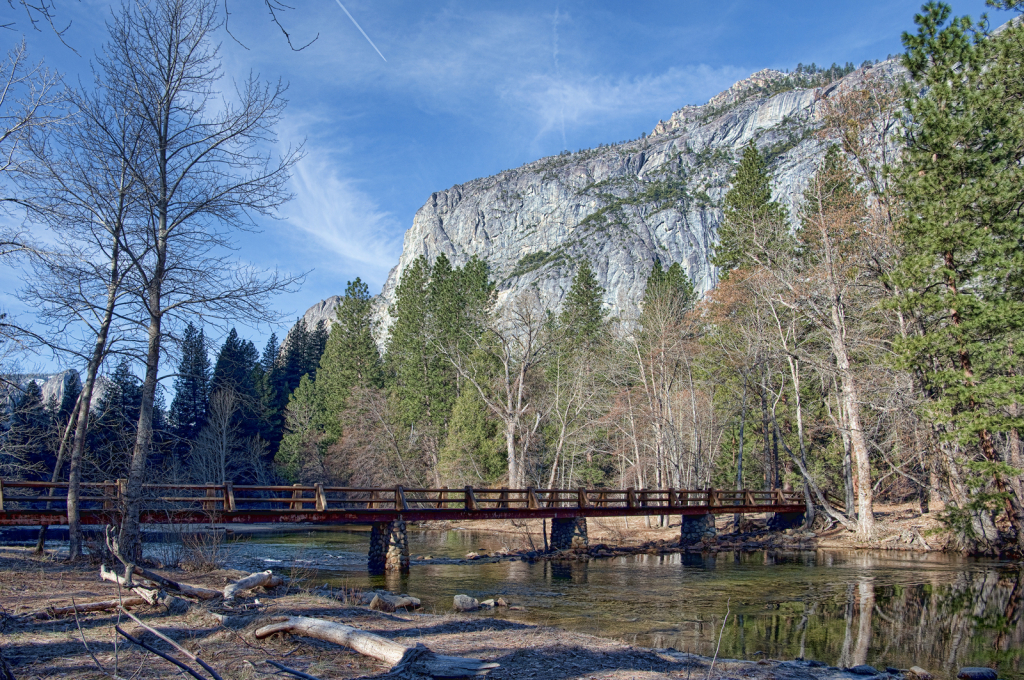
385 602
465 603
487 603
920 673
863 669
976 673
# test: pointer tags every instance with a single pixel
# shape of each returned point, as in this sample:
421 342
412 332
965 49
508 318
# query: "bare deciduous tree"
205 170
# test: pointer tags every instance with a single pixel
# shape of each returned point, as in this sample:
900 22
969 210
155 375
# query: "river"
844 608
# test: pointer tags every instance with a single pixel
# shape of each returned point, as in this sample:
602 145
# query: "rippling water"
841 607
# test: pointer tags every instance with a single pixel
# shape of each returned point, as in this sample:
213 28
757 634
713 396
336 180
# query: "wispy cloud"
342 219
554 101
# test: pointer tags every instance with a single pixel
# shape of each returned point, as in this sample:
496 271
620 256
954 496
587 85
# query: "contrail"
360 28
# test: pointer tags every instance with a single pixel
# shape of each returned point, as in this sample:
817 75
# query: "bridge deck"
45 503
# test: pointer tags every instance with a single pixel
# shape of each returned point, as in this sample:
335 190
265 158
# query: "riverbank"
30 583
898 527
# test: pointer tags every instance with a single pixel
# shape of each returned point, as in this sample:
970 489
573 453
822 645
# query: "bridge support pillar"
696 528
398 549
781 521
570 533
389 548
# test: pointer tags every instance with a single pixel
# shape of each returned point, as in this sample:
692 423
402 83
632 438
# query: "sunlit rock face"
625 206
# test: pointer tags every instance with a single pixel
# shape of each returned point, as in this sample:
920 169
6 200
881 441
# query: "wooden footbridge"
26 503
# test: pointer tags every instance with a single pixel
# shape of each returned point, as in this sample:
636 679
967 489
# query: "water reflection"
844 608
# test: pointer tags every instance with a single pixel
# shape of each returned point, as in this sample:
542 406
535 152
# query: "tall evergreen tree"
234 370
191 389
350 359
963 269
582 317
269 385
751 219
409 356
294 356
437 310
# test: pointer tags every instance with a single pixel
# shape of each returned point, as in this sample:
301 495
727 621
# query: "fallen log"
60 612
413 662
186 589
260 578
144 588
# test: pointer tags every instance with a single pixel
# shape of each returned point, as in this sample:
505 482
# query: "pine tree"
963 270
234 370
294 356
191 389
751 220
672 281
269 385
408 354
350 359
582 317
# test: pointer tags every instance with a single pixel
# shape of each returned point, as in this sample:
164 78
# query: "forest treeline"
865 348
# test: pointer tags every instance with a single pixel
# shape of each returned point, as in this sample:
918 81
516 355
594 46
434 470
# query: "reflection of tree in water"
970 618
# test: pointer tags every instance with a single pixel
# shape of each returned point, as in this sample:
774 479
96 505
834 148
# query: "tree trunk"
82 428
739 463
407 660
858 444
129 543
766 435
794 367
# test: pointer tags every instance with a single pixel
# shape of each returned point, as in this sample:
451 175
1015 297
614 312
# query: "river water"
844 608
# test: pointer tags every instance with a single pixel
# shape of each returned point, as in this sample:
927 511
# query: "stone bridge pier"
696 528
389 548
569 533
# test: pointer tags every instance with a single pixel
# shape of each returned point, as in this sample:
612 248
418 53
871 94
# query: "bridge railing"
109 495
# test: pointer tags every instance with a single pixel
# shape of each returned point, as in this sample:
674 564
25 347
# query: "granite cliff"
624 206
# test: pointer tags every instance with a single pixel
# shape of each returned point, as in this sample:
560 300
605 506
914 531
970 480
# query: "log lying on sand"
61 612
412 662
260 578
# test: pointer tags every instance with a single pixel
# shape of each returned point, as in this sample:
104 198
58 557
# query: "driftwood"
186 589
144 588
260 578
411 662
61 612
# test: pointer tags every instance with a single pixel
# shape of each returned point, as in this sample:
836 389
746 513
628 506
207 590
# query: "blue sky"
473 87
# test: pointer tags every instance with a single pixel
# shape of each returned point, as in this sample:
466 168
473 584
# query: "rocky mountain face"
52 385
624 206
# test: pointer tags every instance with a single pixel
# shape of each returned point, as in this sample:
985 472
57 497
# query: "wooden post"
748 498
122 489
582 498
440 499
400 503
296 494
373 497
504 497
229 497
109 491
470 499
321 498
712 498
671 497
531 499
210 506
631 498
